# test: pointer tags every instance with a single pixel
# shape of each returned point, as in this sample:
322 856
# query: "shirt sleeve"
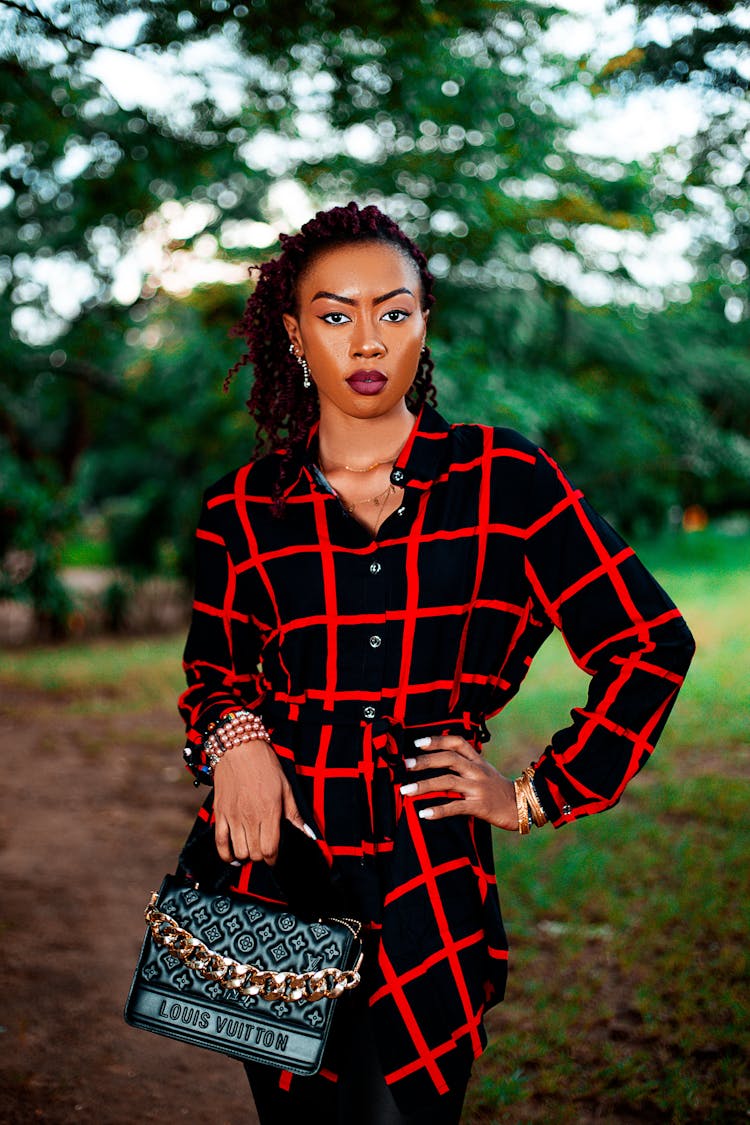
620 627
223 644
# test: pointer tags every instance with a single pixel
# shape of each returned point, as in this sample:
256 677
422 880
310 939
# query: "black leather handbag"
235 974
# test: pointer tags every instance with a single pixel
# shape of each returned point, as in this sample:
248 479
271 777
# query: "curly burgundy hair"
282 408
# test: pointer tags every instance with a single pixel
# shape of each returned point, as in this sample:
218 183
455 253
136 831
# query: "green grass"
627 997
628 979
102 675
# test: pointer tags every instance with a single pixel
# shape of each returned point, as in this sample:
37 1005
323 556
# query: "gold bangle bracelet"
526 780
524 827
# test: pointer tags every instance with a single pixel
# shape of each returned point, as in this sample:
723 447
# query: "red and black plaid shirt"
350 647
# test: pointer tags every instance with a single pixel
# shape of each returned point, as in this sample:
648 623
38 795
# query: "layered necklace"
381 499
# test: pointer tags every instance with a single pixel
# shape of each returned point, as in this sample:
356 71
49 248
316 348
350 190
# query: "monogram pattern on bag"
267 940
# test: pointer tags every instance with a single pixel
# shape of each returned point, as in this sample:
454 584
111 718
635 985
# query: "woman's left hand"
484 792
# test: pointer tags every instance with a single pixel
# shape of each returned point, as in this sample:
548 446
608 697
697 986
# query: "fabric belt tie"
387 743
384 746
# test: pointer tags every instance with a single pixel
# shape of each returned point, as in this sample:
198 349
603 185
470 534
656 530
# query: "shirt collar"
418 464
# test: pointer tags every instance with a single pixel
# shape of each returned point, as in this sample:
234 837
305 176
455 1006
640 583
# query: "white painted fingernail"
309 832
410 763
422 742
426 814
408 789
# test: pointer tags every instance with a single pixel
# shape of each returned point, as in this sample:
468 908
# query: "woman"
368 593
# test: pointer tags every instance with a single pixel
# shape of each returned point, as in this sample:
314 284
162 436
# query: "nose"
366 340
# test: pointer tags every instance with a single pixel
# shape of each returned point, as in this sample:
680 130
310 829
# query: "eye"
335 318
395 316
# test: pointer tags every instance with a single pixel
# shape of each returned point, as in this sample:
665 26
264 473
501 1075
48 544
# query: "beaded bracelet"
233 729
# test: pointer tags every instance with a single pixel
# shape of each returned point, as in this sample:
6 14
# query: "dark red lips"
367 382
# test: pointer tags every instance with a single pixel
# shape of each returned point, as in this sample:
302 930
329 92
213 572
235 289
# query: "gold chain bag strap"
194 980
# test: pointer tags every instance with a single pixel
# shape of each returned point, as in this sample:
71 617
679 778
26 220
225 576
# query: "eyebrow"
349 301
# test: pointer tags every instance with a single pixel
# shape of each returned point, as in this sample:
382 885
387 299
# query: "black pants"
360 1097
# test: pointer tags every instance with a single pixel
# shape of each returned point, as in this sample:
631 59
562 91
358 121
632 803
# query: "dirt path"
94 812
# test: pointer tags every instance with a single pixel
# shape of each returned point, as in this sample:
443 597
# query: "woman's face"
361 328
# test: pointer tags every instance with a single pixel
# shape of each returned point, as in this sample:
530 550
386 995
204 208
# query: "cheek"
326 345
412 348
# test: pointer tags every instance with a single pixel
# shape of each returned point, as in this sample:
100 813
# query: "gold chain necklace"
379 499
352 469
369 469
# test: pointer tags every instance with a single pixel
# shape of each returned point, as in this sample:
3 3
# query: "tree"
447 114
82 176
704 47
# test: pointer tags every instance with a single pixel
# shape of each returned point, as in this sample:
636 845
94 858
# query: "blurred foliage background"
149 151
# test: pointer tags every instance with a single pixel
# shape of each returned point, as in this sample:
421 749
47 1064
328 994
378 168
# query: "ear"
292 326
425 318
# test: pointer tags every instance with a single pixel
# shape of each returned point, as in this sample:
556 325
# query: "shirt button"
375 641
397 476
368 712
375 568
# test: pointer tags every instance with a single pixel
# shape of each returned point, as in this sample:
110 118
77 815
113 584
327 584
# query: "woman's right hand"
251 794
